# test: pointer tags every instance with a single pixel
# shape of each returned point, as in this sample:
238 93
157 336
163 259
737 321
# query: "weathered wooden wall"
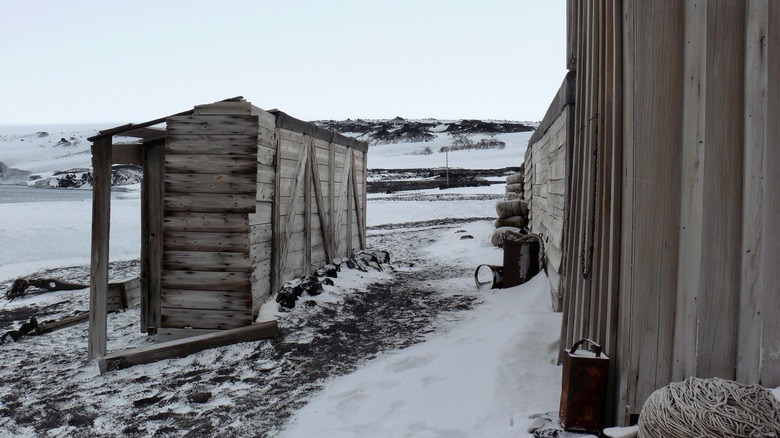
546 169
672 233
321 198
210 189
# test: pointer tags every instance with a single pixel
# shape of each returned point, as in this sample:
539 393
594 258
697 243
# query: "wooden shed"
671 231
235 200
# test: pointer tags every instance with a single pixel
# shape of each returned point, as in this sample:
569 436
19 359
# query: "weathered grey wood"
154 164
185 347
770 369
174 334
339 235
207 261
223 108
210 183
212 144
210 202
127 153
324 221
206 300
358 207
277 219
227 125
209 222
205 318
206 280
206 241
294 195
307 215
752 275
101 219
210 164
48 327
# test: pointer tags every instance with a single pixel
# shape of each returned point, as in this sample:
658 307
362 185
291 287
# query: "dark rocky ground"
48 388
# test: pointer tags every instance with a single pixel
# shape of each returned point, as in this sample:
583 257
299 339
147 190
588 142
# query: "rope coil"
710 408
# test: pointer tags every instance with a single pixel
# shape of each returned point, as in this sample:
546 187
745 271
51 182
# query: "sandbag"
513 221
512 195
515 178
499 235
514 207
514 188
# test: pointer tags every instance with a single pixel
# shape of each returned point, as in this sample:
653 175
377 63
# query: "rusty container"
521 258
584 389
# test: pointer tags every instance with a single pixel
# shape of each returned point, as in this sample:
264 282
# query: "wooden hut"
235 201
671 232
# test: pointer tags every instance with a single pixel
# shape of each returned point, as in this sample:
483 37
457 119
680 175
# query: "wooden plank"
154 159
207 261
206 241
48 327
307 187
223 108
208 222
206 280
206 144
277 221
752 274
296 190
210 202
210 183
205 319
339 212
222 125
260 233
770 299
174 334
358 206
263 214
184 347
101 219
127 153
239 301
210 164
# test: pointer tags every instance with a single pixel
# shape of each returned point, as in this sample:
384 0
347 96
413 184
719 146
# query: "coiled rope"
710 408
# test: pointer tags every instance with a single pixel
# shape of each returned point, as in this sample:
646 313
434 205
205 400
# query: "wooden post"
307 187
325 224
359 212
101 220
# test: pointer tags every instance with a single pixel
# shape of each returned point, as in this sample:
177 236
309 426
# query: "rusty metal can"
521 258
584 388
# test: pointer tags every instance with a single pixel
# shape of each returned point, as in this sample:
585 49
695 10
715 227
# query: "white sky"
83 61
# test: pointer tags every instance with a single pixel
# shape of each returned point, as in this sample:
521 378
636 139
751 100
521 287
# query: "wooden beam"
154 166
101 220
344 183
184 347
358 206
48 327
325 224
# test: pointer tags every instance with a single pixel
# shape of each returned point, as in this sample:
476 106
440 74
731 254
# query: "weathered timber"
210 164
200 299
101 220
241 145
210 183
207 261
184 347
206 280
206 241
48 327
210 202
173 317
225 125
206 222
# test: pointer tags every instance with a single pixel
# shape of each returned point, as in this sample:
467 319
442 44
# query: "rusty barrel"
521 258
584 388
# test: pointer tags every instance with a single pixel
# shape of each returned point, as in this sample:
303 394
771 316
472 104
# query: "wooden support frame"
325 224
101 221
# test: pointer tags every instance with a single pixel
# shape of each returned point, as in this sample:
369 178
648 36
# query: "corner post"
101 220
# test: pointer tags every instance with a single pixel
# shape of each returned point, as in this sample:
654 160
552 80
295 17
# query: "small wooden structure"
235 200
671 237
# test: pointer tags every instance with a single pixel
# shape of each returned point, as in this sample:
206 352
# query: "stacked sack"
514 186
512 217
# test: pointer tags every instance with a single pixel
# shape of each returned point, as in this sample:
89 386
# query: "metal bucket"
489 277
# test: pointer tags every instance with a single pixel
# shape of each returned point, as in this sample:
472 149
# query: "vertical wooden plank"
325 224
295 192
101 221
307 222
692 191
277 218
363 185
340 206
752 273
770 299
332 198
658 77
625 384
350 180
722 226
152 234
358 204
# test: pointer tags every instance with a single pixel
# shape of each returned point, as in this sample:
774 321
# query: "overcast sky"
84 61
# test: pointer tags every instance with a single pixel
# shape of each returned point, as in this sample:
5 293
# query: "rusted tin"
584 389
521 258
489 277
